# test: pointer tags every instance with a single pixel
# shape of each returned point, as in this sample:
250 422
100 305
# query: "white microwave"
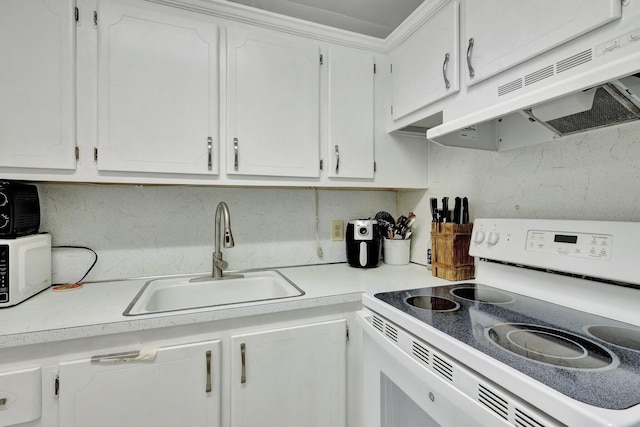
25 267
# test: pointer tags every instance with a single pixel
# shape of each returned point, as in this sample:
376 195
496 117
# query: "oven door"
399 392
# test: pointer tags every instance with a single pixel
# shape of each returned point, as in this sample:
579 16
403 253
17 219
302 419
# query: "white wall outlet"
337 229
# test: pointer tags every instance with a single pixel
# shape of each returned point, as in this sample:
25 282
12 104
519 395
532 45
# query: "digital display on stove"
563 238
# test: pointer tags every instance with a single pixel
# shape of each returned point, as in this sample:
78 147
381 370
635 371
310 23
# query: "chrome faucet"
227 239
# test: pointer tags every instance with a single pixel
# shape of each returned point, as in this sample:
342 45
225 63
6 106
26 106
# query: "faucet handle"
221 264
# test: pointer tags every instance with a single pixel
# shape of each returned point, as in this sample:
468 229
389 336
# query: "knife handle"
445 209
457 211
465 210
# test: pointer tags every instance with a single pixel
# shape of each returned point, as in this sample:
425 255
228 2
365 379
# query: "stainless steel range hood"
605 105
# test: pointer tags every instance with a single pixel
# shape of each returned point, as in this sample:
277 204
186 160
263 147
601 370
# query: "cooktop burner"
589 358
470 292
552 346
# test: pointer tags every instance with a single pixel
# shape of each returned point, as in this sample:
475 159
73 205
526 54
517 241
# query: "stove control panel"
582 245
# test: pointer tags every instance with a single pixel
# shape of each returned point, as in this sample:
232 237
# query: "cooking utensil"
387 223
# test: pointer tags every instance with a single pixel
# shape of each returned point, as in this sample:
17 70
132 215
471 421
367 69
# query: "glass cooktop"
589 358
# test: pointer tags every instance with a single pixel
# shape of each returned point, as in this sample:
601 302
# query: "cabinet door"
157 90
425 66
351 113
179 387
37 84
289 377
506 33
273 105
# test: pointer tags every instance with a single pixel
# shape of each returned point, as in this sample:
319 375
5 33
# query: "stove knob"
3 200
493 238
479 237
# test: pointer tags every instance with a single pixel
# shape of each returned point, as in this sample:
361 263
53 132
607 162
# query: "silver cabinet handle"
210 148
243 375
235 151
472 72
126 356
447 84
208 358
337 159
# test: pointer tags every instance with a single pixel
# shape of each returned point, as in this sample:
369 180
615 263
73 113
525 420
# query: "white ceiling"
376 18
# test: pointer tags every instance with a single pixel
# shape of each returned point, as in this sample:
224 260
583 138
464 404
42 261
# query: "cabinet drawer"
20 396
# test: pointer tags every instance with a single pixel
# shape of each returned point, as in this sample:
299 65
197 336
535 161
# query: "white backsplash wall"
590 176
159 230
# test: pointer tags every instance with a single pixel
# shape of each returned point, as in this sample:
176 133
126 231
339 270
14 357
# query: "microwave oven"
25 267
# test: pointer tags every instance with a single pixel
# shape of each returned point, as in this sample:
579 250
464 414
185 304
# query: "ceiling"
376 18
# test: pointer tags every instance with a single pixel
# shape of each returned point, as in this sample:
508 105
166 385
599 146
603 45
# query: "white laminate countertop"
97 308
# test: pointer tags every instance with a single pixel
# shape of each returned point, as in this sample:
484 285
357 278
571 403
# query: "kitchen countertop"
97 308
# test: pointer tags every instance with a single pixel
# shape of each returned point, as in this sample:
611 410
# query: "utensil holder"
396 252
450 257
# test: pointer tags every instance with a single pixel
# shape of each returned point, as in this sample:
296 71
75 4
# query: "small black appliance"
19 209
364 244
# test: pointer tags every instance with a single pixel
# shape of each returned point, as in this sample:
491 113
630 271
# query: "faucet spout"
221 239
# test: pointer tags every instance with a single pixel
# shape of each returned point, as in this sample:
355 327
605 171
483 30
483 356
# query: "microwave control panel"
4 273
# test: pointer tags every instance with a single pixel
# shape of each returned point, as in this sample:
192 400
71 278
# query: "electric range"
549 324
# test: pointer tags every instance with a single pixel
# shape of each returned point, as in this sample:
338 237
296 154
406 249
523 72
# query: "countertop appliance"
364 245
546 335
25 267
19 209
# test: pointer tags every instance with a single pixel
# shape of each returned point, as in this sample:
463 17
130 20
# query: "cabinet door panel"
157 92
419 69
293 376
273 105
168 391
37 84
506 33
351 113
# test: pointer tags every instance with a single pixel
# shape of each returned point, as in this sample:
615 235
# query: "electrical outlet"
337 229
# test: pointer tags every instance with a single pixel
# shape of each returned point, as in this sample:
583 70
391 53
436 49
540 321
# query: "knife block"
450 257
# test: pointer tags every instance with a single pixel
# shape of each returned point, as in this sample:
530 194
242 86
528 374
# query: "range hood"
605 105
590 82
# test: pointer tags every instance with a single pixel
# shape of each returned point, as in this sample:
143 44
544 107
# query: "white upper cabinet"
273 106
37 84
157 90
425 65
502 33
351 113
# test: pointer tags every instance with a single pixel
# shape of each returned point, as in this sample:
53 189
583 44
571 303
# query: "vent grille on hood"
608 106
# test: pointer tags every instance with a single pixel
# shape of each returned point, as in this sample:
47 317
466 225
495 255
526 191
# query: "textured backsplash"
157 230
589 176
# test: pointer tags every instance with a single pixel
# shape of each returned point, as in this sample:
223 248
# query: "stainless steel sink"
184 293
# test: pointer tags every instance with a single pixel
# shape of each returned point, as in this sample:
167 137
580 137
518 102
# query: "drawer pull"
208 357
243 376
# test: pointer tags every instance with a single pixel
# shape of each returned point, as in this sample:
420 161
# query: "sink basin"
184 293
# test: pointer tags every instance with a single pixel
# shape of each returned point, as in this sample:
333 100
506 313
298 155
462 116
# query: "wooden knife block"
450 257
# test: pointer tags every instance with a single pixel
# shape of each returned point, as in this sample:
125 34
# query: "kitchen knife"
457 211
445 209
434 209
465 211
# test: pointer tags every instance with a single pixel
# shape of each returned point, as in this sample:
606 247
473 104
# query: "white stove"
546 335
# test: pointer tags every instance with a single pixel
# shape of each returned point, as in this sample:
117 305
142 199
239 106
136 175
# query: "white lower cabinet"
175 386
289 377
20 396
